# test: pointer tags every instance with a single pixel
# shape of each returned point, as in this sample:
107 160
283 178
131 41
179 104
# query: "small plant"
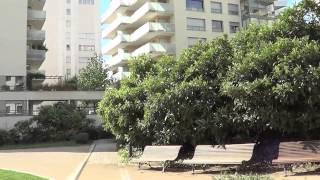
82 138
124 155
241 177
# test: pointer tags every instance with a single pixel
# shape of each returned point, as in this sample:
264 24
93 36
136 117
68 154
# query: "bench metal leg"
285 171
139 165
149 165
164 166
193 168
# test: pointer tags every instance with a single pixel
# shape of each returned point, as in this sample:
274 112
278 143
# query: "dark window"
194 24
194 5
217 26
8 78
216 7
233 9
234 27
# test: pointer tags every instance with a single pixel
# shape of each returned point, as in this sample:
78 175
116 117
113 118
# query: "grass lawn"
39 145
12 175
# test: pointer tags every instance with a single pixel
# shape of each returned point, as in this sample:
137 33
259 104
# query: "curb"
79 170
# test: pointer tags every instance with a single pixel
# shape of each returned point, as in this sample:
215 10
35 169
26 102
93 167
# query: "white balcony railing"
35 15
139 34
36 55
152 7
121 75
118 59
114 5
158 48
36 35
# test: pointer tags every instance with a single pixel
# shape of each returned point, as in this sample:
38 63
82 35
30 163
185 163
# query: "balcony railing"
148 7
117 59
36 15
36 35
36 55
114 5
158 48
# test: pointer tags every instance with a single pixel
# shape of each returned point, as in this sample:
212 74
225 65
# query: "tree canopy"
94 76
266 78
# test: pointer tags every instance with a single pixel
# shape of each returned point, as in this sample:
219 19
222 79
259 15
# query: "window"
233 9
195 5
84 60
234 27
86 47
68 11
68 47
87 36
8 109
86 2
19 108
68 1
68 23
68 59
8 78
194 40
68 73
194 24
217 26
216 7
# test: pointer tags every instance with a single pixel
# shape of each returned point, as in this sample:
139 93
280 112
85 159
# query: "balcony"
121 75
115 5
36 55
36 18
145 13
142 35
155 49
36 36
119 59
36 4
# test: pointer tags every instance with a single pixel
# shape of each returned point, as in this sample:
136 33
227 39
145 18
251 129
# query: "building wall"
180 21
13 28
80 27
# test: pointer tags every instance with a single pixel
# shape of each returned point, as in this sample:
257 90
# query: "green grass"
241 177
39 145
12 175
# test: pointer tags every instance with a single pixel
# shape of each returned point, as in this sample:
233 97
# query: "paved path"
104 165
57 163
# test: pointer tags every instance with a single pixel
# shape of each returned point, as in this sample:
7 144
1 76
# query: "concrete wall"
51 95
13 37
8 122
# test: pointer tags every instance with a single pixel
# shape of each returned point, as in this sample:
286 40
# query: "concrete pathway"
59 163
104 165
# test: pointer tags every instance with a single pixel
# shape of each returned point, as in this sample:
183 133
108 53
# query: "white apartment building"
157 27
73 35
21 45
23 49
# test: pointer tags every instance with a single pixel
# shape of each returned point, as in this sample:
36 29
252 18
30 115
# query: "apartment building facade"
23 46
73 35
159 27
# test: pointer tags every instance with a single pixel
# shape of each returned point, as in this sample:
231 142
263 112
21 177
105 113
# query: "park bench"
163 154
297 152
233 154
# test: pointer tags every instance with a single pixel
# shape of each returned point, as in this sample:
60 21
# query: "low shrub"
81 138
124 155
4 137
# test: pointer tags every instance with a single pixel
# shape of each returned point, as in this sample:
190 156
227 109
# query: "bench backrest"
169 153
224 153
299 150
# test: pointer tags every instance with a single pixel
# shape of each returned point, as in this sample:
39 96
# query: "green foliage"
4 137
12 175
94 76
81 138
124 155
